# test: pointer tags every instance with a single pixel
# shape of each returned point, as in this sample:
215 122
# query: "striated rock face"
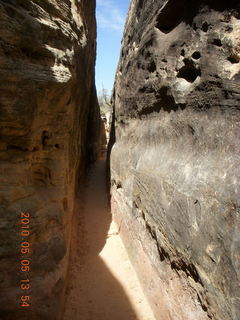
47 108
175 163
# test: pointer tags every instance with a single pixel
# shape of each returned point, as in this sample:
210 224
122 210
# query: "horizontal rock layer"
175 162
47 111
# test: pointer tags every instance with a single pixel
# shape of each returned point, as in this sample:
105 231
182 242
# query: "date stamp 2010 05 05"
25 263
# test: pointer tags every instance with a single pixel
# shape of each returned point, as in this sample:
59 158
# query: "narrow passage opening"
102 282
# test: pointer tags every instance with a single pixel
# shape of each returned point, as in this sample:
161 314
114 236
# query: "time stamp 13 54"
25 262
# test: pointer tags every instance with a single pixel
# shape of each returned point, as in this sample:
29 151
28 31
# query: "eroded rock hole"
169 17
152 67
205 27
165 101
196 55
217 42
173 13
189 72
233 59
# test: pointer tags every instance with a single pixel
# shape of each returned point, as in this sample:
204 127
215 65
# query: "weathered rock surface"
175 163
47 109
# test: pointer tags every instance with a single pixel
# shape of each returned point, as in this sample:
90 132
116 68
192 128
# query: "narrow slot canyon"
102 282
122 206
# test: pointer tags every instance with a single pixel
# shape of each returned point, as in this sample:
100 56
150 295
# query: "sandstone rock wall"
47 107
175 161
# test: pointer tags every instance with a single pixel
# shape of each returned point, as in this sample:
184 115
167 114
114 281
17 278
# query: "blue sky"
111 16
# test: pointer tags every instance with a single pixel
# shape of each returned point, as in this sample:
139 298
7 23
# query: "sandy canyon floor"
102 282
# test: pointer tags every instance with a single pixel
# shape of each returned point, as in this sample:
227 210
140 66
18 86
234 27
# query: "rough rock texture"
47 108
175 163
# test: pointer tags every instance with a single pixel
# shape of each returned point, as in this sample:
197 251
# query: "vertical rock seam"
47 107
175 178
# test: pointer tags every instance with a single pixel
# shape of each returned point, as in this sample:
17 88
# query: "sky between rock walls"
111 17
